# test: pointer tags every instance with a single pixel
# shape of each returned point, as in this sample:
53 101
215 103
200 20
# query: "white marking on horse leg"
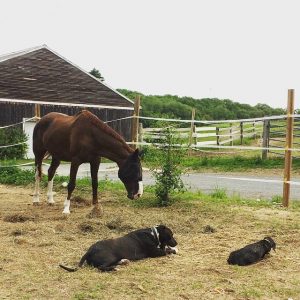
50 192
66 206
36 193
141 188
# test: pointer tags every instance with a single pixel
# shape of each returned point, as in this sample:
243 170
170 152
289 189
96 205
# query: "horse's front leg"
97 210
71 185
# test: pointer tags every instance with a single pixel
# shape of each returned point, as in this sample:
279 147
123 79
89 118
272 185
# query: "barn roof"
40 75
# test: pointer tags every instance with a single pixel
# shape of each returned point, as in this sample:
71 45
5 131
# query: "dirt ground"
35 239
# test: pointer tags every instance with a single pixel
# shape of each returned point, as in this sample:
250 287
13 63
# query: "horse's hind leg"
38 176
71 186
51 172
97 210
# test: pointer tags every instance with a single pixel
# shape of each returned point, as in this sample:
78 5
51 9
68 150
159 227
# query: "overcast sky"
247 51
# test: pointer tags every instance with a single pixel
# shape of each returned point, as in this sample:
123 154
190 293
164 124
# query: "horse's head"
130 174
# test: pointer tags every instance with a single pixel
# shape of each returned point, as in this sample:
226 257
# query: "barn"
41 76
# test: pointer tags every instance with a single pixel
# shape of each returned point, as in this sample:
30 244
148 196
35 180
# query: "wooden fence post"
241 132
230 134
254 130
218 135
193 129
37 110
135 121
141 133
288 152
266 136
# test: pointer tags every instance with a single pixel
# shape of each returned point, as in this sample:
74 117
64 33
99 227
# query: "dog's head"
270 243
165 236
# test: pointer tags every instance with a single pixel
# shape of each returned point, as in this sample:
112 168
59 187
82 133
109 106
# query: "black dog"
149 242
251 253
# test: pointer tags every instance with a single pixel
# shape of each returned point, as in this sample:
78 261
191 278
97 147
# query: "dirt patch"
206 233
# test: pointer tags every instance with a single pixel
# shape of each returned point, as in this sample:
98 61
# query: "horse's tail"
83 259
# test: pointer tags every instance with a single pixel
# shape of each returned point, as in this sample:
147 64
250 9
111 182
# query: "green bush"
10 136
14 175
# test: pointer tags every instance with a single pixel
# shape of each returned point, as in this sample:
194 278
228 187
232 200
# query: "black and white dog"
251 253
149 242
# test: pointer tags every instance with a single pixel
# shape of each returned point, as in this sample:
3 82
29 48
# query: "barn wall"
11 113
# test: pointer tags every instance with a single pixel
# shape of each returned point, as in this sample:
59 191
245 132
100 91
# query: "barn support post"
135 121
288 151
266 136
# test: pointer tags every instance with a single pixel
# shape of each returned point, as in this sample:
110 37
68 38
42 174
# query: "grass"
31 249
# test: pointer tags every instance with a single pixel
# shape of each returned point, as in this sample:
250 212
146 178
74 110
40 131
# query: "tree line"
170 106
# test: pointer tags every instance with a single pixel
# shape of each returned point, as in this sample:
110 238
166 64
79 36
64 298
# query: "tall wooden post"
37 110
135 121
266 137
192 127
288 146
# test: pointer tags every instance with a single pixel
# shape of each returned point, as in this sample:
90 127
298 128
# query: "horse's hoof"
36 203
96 212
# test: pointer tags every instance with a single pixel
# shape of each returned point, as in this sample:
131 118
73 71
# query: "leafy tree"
168 170
96 73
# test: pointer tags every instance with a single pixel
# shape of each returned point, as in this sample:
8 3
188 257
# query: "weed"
219 193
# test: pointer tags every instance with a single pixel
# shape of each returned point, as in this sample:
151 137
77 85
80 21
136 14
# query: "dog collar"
268 242
156 235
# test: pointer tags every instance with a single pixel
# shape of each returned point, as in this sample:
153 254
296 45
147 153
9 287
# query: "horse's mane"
102 126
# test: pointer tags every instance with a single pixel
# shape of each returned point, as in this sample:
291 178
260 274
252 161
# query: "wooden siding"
41 75
11 113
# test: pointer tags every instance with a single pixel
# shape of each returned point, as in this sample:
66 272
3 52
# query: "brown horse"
80 139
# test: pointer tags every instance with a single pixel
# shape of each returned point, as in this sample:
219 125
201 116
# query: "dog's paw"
171 250
124 262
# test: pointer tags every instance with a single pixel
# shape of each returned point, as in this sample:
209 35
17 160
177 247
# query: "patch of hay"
118 225
17 232
208 229
78 201
86 227
20 241
18 218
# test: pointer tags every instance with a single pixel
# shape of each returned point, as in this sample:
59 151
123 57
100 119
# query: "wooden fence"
224 134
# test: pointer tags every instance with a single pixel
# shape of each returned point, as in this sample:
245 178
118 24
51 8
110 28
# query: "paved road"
206 182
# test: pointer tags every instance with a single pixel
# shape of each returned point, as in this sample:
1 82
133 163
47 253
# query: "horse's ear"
141 153
135 154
